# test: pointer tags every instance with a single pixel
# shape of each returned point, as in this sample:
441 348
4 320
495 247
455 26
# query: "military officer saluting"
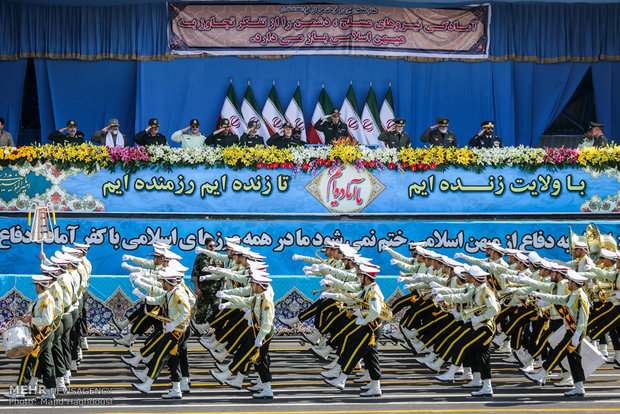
438 134
192 139
333 129
485 137
222 137
73 136
285 138
395 137
151 135
250 138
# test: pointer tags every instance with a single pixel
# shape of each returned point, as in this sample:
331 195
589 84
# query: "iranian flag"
371 122
295 114
386 113
351 116
273 114
251 112
323 107
231 110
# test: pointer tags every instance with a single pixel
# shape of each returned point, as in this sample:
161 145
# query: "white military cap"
42 280
176 265
477 273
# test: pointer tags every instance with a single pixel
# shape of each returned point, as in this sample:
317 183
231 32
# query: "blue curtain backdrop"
522 97
606 79
12 74
546 33
89 92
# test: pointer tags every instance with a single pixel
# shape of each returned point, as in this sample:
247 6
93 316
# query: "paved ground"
103 385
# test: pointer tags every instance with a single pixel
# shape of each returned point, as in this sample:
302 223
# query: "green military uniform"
208 288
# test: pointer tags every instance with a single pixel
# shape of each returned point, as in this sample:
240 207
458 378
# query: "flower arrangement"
89 157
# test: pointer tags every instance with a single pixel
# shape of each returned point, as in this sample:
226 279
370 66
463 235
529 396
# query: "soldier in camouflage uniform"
205 290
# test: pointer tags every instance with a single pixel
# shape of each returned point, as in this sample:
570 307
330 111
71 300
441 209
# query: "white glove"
297 257
199 250
221 306
323 266
492 265
540 303
586 267
359 321
169 327
125 257
219 294
455 313
358 313
439 297
248 317
434 291
307 269
258 343
400 279
474 319
138 293
503 276
591 283
617 294
575 339
209 268
510 289
125 265
522 278
459 255
536 294
434 285
133 276
202 278
325 282
407 286
393 261
327 295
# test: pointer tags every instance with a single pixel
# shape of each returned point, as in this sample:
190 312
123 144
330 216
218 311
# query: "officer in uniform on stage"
333 129
151 135
222 137
73 136
250 137
395 137
206 301
438 134
485 137
192 139
285 138
593 136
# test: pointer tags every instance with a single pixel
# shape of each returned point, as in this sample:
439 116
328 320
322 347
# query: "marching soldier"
473 343
254 344
574 309
362 337
206 301
175 312
40 319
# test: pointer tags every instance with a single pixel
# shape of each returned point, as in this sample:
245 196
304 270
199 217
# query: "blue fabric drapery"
546 33
12 76
89 92
522 97
606 80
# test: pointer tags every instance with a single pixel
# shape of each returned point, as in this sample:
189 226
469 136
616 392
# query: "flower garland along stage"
92 158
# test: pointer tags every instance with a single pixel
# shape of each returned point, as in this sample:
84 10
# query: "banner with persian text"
277 29
329 190
279 238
